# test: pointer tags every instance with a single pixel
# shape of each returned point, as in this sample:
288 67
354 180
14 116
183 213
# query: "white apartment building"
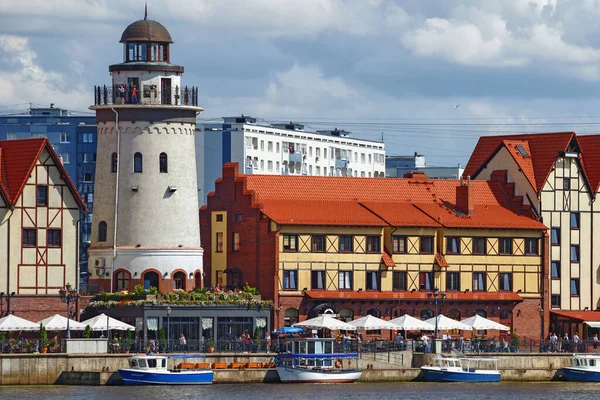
282 149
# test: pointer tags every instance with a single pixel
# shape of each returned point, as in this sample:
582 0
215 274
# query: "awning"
591 318
376 295
441 260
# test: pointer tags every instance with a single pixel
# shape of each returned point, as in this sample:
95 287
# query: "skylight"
522 150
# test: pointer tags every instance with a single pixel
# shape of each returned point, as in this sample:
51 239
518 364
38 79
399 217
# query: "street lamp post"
541 311
168 327
436 298
68 295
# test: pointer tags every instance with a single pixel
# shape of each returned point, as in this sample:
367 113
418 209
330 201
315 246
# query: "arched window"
481 313
426 314
346 315
454 314
374 312
399 312
290 316
137 162
113 163
102 229
122 280
162 163
150 279
179 281
197 280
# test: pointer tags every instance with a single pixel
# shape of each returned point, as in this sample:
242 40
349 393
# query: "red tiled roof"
319 212
374 295
525 162
3 178
543 150
590 148
314 200
387 259
18 160
579 315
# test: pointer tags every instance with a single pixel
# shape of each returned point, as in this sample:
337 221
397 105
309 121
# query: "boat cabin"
585 361
309 346
148 362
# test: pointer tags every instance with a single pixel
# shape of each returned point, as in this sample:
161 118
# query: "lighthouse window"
157 52
137 51
162 163
113 163
137 162
102 228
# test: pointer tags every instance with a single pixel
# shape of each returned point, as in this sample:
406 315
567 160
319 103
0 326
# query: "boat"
152 370
312 360
584 368
456 369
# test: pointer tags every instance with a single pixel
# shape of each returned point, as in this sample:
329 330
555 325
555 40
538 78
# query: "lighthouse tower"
145 216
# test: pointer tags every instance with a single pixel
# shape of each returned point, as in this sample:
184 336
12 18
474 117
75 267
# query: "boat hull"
303 375
581 374
433 374
137 377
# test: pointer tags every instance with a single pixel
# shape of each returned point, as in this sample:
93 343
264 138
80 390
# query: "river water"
367 391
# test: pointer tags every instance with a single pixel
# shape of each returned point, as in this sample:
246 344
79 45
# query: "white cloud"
26 81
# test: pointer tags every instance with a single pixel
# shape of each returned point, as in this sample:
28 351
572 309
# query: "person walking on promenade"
595 341
182 343
268 341
575 342
566 343
134 95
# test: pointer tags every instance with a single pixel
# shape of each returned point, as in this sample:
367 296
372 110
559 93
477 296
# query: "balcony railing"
147 95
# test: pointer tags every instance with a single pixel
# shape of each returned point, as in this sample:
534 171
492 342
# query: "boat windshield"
584 362
142 364
133 363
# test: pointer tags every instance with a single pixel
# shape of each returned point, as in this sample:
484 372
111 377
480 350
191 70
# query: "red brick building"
377 246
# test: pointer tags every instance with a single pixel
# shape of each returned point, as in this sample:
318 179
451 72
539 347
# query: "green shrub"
43 337
87 332
162 336
128 340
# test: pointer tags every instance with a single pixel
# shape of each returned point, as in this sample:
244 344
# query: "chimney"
416 175
230 170
464 197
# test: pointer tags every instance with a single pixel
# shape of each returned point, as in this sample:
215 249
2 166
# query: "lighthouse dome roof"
146 30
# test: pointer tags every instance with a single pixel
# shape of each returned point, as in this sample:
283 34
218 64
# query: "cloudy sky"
373 67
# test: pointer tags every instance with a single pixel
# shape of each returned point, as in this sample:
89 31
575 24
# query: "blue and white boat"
312 360
152 370
584 368
468 369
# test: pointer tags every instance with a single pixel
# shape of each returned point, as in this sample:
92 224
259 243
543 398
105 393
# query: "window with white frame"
270 147
277 147
269 165
38 135
345 280
12 136
65 137
65 157
277 166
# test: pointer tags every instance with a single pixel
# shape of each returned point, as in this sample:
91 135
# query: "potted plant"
162 337
210 346
128 342
53 344
2 340
256 339
43 339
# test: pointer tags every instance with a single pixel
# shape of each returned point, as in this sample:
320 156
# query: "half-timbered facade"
39 214
557 174
376 246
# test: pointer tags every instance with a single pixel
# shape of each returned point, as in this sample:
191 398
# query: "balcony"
147 95
296 157
341 164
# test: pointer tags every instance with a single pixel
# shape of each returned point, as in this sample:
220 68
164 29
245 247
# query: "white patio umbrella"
408 323
325 321
371 323
103 322
446 324
59 323
480 323
13 323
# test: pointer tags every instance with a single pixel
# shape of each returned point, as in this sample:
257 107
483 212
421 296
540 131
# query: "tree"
43 337
128 341
162 336
87 332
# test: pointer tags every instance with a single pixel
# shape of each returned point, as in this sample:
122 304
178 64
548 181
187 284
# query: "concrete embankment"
87 369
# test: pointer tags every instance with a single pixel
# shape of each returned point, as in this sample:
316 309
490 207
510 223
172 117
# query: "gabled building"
39 216
376 246
557 175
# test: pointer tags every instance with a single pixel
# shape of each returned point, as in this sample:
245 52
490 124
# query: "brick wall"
257 256
36 308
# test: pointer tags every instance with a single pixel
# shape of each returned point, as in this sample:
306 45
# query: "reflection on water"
375 391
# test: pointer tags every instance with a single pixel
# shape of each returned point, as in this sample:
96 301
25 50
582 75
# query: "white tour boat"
312 360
